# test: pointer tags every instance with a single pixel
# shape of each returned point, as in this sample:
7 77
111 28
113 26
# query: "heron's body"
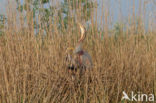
83 57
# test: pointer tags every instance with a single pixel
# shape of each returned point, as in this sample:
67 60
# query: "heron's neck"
78 48
80 41
79 45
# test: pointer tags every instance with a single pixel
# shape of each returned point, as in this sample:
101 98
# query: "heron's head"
69 50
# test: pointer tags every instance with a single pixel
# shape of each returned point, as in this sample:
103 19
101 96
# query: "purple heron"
79 58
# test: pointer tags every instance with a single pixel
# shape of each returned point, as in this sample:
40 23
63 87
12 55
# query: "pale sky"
125 7
2 6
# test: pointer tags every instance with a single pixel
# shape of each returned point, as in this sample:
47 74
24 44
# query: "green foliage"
70 9
2 24
45 11
118 30
44 1
36 7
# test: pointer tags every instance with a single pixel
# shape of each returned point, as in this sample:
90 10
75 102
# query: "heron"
78 57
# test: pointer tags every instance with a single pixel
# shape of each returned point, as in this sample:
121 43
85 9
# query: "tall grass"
33 68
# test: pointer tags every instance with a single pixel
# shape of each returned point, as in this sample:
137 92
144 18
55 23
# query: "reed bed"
33 67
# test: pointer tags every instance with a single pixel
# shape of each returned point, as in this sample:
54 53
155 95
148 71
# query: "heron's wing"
86 60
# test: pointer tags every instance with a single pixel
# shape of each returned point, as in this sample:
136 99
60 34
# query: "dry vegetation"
33 68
